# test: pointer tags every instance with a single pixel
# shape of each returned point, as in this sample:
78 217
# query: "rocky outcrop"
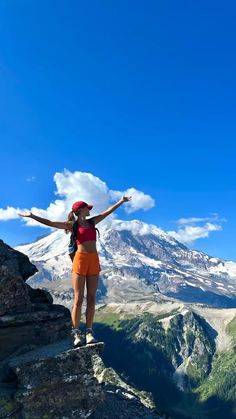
41 374
56 381
15 268
42 326
28 316
122 399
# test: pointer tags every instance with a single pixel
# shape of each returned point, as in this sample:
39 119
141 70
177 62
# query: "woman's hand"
126 198
25 214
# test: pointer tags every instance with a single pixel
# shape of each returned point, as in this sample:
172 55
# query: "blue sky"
140 95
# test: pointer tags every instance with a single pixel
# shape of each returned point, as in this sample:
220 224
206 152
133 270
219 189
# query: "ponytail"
71 218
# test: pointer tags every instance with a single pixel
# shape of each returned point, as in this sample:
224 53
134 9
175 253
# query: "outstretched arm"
65 225
104 214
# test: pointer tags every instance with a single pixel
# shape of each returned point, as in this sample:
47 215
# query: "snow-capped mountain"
139 262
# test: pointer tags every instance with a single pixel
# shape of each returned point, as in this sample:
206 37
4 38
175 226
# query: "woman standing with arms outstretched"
86 265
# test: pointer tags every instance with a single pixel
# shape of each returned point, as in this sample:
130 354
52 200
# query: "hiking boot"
89 336
77 337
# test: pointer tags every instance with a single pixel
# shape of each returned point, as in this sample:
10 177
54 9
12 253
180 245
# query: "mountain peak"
141 261
138 227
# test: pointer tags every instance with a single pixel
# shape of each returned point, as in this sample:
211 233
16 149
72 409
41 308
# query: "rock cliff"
41 374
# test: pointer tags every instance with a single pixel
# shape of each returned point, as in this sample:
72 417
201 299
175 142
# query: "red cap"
80 204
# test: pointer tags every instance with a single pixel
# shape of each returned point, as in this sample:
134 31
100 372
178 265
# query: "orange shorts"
86 263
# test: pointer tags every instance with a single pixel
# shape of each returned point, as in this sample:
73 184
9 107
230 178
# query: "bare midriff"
87 247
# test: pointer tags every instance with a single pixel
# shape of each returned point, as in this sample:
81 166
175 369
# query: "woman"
86 265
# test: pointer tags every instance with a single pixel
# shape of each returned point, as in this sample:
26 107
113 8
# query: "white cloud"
192 220
82 186
194 228
214 217
137 227
139 200
9 213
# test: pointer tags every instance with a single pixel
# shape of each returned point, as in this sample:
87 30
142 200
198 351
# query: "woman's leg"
92 285
78 282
